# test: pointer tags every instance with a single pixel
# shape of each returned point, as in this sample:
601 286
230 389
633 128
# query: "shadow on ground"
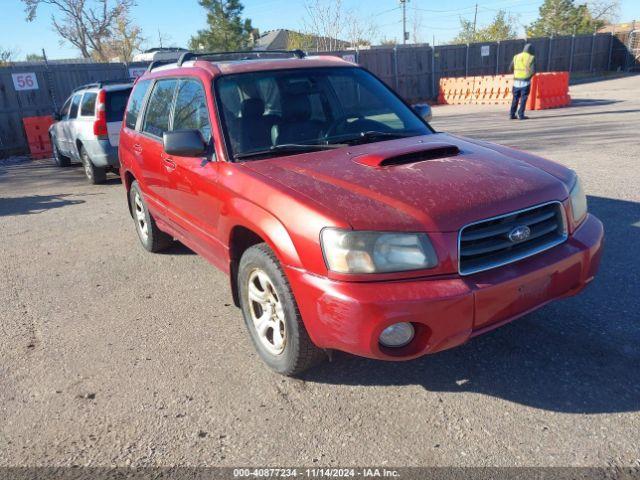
579 355
177 248
26 171
33 204
592 102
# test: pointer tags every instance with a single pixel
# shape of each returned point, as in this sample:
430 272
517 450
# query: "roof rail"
186 56
159 63
102 83
165 49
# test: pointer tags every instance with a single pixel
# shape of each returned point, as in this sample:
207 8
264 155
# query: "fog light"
397 335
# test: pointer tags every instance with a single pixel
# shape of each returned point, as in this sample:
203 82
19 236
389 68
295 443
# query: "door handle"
137 148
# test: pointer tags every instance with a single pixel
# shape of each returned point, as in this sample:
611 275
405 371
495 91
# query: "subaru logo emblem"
519 234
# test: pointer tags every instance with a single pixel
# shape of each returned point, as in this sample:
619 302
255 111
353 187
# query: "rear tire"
60 159
152 238
271 314
95 175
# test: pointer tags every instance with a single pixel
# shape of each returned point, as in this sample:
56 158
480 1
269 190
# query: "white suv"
87 128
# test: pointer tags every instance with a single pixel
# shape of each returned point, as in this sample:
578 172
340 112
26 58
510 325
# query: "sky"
177 20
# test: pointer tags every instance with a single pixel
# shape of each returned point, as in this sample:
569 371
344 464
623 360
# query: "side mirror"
57 116
184 143
424 110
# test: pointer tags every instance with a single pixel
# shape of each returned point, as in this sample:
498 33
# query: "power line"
472 7
386 11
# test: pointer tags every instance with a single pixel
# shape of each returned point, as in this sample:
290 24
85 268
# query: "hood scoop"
419 153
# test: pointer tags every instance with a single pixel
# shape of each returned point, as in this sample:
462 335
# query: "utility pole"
405 34
475 19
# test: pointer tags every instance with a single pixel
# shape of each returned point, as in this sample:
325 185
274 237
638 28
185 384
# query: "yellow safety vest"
523 66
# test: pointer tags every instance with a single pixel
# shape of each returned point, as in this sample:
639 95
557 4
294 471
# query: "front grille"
487 244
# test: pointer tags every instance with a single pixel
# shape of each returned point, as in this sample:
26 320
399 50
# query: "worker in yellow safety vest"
524 67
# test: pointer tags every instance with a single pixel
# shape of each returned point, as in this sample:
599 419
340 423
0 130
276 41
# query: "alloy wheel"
266 312
141 217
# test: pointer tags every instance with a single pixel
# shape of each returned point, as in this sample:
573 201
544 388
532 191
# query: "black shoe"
512 117
524 117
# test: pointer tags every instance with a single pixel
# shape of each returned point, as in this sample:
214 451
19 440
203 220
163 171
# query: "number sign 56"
25 81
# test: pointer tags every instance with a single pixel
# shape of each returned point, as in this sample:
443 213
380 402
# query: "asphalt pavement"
112 356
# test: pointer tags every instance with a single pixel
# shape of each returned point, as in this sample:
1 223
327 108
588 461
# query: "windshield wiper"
287 148
372 135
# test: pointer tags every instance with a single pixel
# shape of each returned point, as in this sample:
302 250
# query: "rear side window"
88 106
135 103
156 119
64 111
191 110
116 103
75 104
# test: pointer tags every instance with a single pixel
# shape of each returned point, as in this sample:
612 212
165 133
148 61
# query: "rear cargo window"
135 103
116 103
88 105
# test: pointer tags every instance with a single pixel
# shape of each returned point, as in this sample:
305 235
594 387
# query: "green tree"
34 57
565 17
502 27
227 30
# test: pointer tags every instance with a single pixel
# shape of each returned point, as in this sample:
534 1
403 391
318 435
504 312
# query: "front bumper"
445 311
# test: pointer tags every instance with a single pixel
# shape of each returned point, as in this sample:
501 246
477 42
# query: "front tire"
152 238
95 175
271 314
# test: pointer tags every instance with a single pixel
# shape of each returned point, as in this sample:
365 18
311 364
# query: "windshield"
286 112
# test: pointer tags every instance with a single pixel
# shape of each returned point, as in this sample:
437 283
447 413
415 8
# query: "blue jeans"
519 95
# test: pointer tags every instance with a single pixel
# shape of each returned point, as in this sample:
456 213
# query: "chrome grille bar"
486 244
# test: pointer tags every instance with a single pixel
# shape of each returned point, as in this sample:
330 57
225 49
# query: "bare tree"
6 56
300 41
604 10
416 27
360 30
126 39
325 21
86 24
165 40
329 24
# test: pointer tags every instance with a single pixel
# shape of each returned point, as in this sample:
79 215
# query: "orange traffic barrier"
37 131
552 90
548 90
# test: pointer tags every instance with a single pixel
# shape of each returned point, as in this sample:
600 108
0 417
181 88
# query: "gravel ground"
113 356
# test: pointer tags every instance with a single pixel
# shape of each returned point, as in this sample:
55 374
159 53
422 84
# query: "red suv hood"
417 183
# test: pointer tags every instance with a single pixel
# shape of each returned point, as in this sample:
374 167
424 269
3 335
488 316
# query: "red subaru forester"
342 218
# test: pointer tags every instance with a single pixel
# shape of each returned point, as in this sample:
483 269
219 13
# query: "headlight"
578 202
348 251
